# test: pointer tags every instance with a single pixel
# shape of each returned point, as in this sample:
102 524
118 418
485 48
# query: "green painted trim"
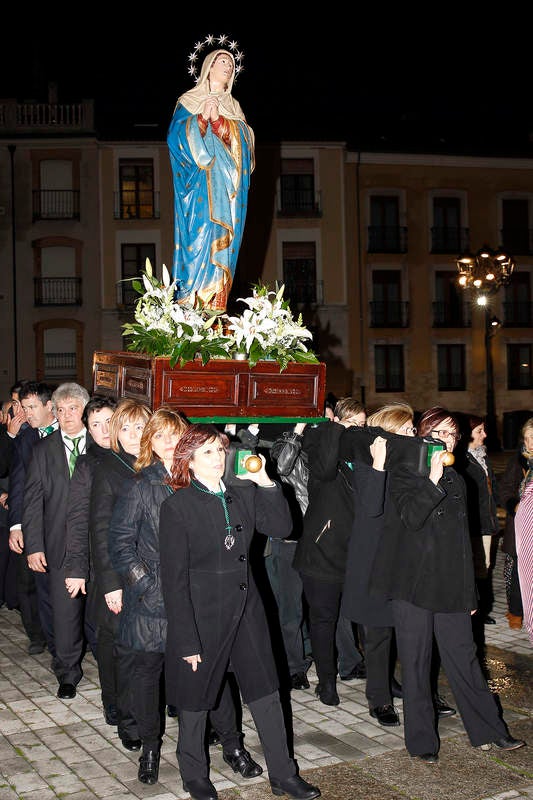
258 420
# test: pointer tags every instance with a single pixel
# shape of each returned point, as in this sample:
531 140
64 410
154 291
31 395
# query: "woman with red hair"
216 619
424 563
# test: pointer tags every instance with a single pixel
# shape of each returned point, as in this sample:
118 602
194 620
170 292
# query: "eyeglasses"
446 435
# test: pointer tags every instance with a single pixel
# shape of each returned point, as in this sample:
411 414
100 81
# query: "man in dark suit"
33 595
44 524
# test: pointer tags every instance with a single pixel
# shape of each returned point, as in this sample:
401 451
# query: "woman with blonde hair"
134 553
115 469
371 611
395 418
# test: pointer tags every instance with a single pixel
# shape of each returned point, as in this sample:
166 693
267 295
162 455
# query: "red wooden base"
221 388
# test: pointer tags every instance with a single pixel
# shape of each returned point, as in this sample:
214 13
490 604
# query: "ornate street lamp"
485 272
483 275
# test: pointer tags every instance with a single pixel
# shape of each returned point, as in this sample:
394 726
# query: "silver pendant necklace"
229 539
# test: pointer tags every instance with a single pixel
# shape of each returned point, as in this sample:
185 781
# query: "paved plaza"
51 748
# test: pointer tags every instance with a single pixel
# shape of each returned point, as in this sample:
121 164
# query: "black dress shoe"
357 673
508 743
442 708
327 694
172 711
213 738
489 620
299 681
241 761
385 715
111 714
429 758
201 789
149 767
396 689
294 787
131 744
35 648
66 691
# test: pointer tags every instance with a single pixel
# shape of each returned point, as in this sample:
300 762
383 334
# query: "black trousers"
8 570
415 628
28 600
115 669
268 718
148 697
378 645
323 599
70 632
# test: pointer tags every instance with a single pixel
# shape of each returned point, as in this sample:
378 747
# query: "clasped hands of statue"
210 112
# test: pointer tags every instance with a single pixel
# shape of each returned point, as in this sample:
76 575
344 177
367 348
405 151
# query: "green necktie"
46 431
74 453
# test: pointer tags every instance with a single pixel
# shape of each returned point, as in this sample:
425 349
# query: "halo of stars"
223 41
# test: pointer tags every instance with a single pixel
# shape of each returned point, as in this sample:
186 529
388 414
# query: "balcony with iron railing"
303 295
60 362
57 291
452 315
389 314
518 314
517 240
136 205
50 204
450 240
46 118
59 367
299 204
126 297
387 239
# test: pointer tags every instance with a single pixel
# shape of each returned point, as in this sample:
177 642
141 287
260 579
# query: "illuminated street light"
483 275
485 272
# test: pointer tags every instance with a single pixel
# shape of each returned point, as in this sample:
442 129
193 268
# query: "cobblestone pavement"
51 748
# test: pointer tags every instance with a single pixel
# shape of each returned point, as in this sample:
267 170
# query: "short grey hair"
70 390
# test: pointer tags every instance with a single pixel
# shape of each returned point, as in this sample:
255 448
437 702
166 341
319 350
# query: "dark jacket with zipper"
322 550
134 553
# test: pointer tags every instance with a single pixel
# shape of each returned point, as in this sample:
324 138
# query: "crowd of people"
359 545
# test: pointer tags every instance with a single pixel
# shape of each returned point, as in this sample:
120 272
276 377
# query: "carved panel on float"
221 388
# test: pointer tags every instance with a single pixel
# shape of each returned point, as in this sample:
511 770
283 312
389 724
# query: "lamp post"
483 275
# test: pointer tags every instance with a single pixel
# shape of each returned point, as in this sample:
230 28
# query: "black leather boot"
149 767
327 693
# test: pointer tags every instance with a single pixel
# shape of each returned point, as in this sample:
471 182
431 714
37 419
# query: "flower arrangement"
266 329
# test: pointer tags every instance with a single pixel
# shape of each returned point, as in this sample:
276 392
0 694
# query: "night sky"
378 78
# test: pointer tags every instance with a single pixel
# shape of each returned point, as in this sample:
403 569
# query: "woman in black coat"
79 521
371 611
424 563
215 615
134 553
115 470
482 501
321 552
